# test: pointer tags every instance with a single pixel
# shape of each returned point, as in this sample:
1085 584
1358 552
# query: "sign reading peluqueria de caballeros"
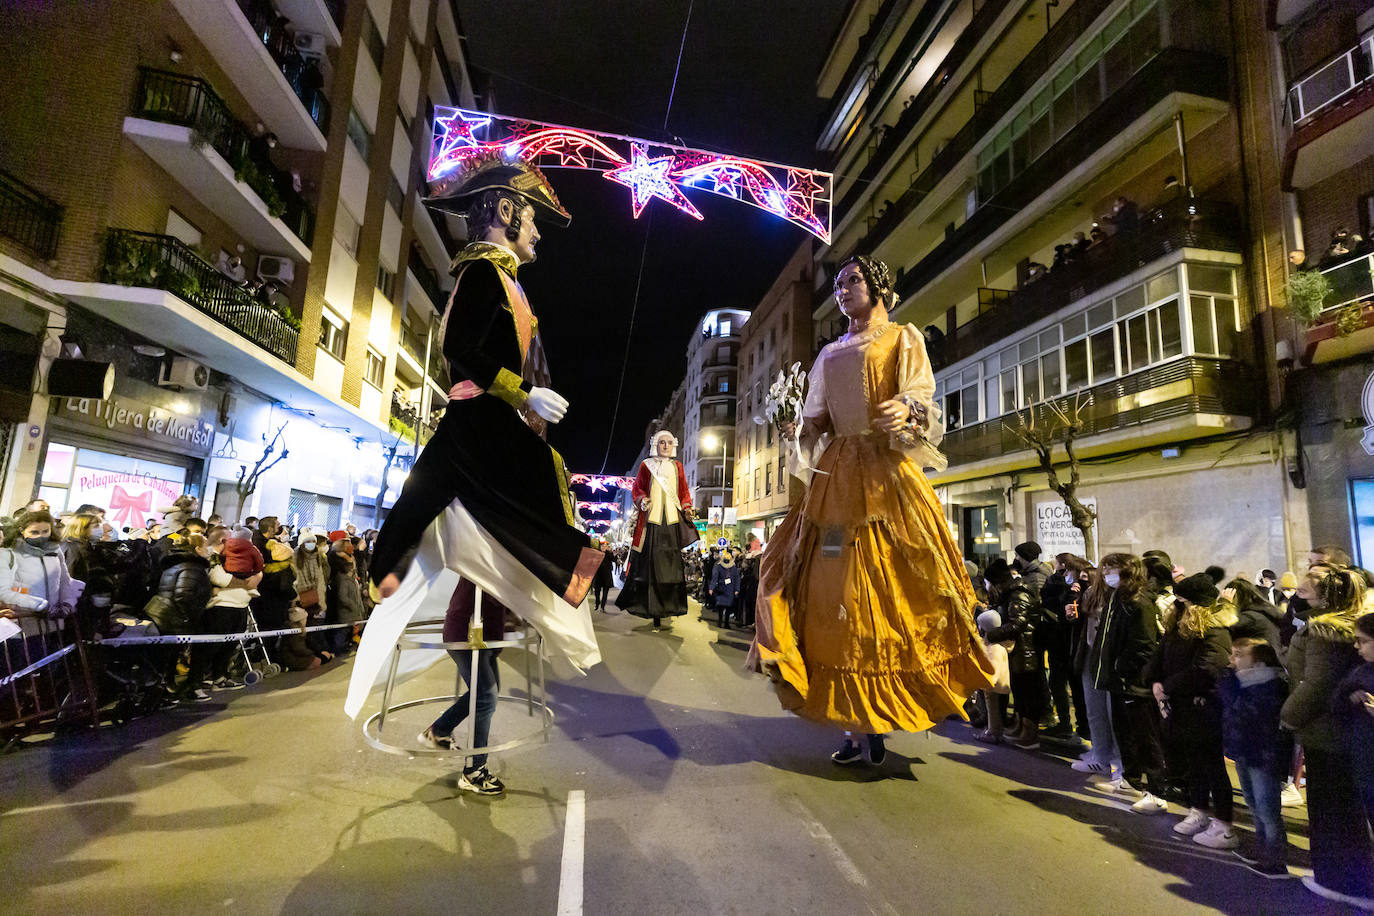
156 424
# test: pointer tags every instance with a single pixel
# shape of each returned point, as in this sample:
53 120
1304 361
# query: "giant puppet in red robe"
655 585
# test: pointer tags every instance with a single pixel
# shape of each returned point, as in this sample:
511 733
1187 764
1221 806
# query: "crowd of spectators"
1155 677
185 575
1124 218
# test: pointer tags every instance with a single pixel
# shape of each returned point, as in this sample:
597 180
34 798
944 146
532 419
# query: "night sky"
747 87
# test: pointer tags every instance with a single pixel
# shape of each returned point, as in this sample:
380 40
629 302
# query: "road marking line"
574 833
837 854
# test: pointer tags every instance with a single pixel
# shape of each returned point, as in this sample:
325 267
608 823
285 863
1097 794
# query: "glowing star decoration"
648 169
599 482
649 178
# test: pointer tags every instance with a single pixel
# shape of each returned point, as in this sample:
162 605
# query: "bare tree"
381 491
247 483
1061 422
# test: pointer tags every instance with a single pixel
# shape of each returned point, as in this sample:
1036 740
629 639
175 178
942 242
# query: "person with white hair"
655 585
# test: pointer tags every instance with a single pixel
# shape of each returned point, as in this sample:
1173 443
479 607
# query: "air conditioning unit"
182 372
310 44
282 270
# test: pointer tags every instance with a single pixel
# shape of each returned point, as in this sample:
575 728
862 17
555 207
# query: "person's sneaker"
1117 786
1245 857
851 753
199 695
1150 804
1269 870
227 683
1291 797
1310 882
1029 743
434 742
1194 823
877 751
480 782
1090 766
1218 835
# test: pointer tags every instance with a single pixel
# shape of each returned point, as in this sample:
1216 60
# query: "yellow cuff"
506 386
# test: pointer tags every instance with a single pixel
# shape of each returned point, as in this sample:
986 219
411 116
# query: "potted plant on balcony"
1307 291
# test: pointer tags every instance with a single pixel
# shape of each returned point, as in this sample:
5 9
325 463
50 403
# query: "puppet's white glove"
548 403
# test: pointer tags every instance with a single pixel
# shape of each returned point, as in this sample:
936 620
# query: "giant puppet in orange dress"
864 611
655 585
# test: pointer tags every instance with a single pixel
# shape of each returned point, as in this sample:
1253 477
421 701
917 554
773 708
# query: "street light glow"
709 442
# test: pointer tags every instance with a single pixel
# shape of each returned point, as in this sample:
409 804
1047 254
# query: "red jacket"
644 481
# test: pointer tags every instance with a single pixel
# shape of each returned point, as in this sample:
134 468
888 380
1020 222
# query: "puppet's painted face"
663 447
524 243
852 294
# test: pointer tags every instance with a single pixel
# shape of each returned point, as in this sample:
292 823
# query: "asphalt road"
690 793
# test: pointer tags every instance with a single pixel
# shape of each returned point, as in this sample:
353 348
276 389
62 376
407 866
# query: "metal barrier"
45 677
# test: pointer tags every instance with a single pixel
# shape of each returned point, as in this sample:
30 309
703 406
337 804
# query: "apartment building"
971 139
708 429
212 220
1318 102
777 335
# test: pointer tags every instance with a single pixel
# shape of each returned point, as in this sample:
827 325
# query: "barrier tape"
216 637
46 660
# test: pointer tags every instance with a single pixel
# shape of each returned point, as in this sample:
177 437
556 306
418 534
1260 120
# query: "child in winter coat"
1252 696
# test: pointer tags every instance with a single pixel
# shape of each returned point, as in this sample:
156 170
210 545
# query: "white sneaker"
1193 824
434 742
1090 766
1291 797
1118 786
1218 835
1149 804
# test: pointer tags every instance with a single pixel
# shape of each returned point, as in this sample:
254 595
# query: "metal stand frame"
429 635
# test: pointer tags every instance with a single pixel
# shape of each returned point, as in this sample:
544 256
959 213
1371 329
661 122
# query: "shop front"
132 456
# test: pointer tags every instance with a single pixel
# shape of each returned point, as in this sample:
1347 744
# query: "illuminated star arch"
648 169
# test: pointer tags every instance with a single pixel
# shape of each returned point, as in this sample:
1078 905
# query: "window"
768 481
357 133
386 282
372 39
347 230
1102 346
333 334
179 227
395 196
1049 374
768 434
1200 310
724 327
782 475
724 386
758 481
405 122
772 338
1076 365
1362 515
376 366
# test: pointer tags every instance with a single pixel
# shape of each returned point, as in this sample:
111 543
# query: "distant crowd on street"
1155 676
185 575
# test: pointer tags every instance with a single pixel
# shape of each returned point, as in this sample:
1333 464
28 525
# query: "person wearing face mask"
1020 611
33 574
310 577
1193 652
1057 634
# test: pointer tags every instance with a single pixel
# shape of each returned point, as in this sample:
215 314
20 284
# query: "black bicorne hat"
454 192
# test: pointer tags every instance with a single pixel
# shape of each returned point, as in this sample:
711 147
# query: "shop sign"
1367 402
1054 530
128 498
156 424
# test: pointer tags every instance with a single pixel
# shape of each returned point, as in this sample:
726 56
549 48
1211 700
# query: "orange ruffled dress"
864 615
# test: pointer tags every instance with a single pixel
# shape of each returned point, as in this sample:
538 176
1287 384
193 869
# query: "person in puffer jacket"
33 574
1020 610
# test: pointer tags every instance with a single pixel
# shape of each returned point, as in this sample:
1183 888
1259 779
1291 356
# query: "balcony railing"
1333 82
1074 22
1182 223
428 280
28 217
162 262
414 344
1180 388
304 76
1172 70
190 102
1351 281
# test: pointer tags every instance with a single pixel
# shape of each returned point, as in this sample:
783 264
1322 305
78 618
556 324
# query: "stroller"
254 645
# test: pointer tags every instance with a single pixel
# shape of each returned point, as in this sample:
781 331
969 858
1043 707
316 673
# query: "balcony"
149 261
29 218
1180 224
1120 122
187 129
1328 110
1345 328
286 90
1187 398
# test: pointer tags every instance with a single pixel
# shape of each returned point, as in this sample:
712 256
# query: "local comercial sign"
156 424
1054 530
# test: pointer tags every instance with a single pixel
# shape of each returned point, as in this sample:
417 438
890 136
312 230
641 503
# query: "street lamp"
709 442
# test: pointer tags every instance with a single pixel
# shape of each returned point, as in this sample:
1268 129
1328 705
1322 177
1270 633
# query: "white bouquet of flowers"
785 398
